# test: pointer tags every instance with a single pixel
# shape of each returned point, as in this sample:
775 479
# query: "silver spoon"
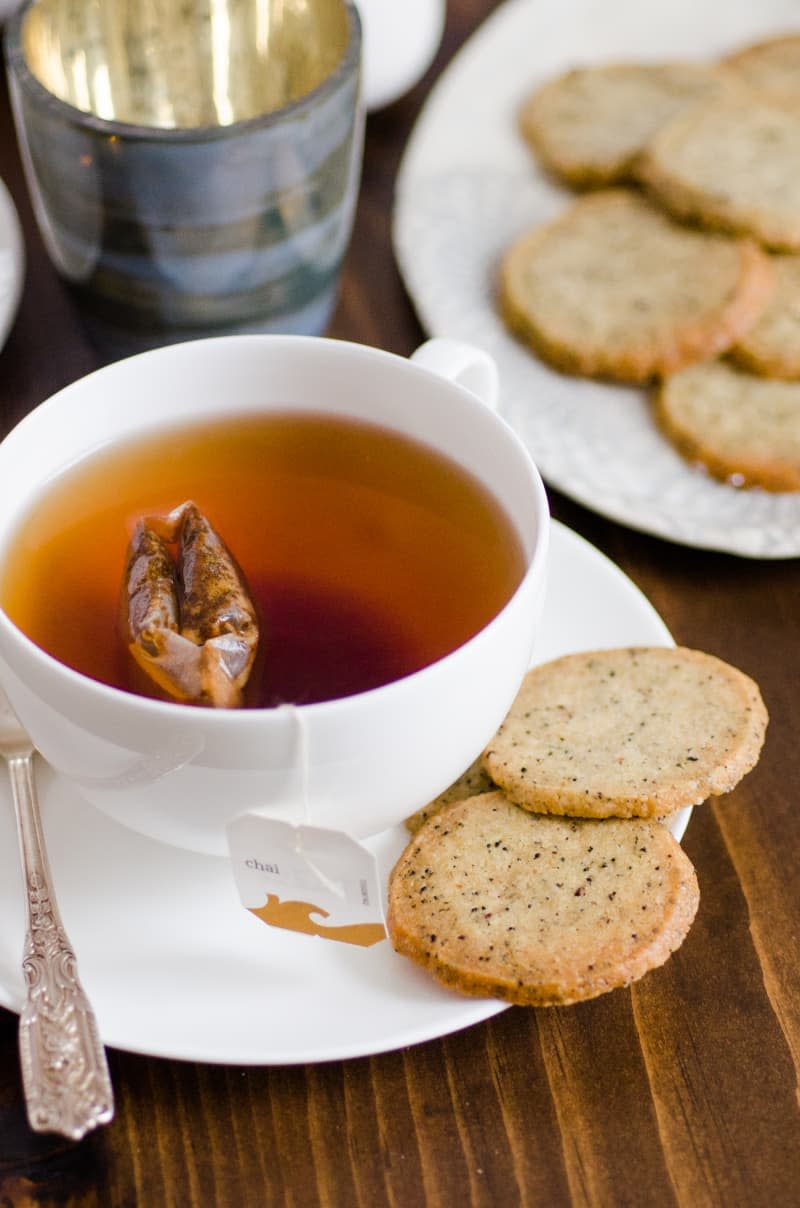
64 1070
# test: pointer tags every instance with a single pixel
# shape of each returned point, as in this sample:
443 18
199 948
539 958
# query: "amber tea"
367 554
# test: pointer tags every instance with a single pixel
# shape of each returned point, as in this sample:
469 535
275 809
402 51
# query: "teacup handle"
463 363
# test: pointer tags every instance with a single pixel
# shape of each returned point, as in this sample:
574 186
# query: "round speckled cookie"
469 784
537 910
588 125
771 348
614 288
731 164
743 429
635 732
772 68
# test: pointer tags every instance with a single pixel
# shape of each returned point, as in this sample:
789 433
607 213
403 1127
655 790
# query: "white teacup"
360 764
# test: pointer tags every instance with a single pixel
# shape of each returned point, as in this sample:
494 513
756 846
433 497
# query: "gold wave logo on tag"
296 916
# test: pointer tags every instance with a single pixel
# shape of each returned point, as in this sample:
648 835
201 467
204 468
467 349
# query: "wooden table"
683 1090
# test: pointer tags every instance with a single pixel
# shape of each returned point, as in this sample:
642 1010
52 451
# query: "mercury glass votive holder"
193 164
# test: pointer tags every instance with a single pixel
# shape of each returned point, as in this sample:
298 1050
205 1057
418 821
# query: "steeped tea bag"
189 622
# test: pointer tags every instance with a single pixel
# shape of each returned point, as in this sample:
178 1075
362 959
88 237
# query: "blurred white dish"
12 262
176 967
468 186
400 42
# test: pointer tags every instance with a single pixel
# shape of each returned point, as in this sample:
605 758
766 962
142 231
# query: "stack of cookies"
682 266
546 875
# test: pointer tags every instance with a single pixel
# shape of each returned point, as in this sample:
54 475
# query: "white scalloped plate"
176 967
468 186
12 262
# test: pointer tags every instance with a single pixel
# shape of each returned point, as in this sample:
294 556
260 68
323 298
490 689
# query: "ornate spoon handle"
64 1069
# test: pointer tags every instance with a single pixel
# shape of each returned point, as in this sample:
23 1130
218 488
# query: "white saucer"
176 967
12 262
468 186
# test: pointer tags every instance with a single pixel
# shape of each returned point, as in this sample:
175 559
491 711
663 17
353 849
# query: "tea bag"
190 623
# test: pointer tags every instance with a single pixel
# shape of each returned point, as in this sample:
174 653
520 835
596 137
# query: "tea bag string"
301 729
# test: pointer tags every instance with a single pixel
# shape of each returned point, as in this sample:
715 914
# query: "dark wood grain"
681 1091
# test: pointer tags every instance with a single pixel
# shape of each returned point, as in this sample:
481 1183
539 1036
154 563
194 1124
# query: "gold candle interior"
183 63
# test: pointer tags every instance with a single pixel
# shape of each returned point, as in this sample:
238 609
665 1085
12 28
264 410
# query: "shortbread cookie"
743 429
537 910
588 125
634 732
469 784
772 68
614 288
732 164
771 348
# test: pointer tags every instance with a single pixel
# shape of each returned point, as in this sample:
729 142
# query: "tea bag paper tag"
308 879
